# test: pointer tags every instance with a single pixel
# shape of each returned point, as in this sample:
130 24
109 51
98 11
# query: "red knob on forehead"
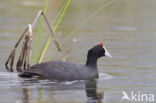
101 44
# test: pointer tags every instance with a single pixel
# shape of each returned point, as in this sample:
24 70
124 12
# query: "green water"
127 28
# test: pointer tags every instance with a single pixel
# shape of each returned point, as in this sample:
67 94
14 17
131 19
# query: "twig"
52 33
12 54
66 54
11 57
29 45
25 54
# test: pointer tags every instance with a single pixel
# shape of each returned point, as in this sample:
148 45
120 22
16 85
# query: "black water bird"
59 70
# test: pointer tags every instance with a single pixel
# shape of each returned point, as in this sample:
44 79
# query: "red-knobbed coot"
59 70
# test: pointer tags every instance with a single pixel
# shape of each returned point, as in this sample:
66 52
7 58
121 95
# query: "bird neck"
91 61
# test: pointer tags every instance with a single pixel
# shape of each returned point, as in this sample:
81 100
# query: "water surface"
127 28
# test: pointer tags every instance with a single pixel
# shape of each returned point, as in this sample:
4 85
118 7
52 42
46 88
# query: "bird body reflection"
52 88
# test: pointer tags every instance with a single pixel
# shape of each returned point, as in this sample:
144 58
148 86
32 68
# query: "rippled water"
128 30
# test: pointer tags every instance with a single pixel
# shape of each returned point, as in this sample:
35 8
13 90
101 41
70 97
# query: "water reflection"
90 89
27 95
91 92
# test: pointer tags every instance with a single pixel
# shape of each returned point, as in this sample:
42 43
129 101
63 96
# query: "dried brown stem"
25 54
21 57
52 33
11 57
66 54
29 45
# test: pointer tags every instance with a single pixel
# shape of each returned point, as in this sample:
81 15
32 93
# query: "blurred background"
127 28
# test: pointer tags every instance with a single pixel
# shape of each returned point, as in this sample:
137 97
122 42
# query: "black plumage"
59 70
